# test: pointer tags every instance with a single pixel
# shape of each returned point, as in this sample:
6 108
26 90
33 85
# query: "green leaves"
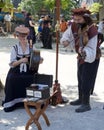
35 6
95 7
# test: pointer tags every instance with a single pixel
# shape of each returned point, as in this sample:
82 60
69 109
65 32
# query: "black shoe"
76 102
83 108
9 109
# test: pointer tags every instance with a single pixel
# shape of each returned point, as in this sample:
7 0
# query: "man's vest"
82 36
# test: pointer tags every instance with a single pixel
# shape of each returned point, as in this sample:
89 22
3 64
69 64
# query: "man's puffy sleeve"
90 49
67 36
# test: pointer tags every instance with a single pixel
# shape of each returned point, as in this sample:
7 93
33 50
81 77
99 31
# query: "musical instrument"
34 60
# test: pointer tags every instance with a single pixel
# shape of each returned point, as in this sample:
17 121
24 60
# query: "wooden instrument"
34 60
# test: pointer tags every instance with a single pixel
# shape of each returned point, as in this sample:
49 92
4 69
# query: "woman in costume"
32 34
19 76
46 34
82 34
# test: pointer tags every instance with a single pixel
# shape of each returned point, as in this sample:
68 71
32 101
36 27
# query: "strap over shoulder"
15 48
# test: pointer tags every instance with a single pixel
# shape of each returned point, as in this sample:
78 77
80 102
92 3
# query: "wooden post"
57 97
57 35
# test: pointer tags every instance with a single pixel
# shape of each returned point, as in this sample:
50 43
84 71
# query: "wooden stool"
40 106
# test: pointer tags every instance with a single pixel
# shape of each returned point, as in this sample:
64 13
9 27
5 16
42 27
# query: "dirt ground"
62 116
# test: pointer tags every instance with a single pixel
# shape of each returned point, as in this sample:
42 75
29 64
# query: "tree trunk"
101 16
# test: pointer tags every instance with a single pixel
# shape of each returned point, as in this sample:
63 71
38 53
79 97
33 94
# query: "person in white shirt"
7 20
2 32
82 34
19 75
101 30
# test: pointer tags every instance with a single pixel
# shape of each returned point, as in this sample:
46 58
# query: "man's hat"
81 11
21 30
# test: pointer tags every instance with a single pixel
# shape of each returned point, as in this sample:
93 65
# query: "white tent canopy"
89 2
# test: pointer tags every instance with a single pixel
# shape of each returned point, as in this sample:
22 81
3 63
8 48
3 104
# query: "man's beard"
82 25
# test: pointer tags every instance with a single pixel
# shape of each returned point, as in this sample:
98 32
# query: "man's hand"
82 53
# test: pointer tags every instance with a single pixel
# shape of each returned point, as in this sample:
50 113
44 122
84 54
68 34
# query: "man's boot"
85 106
78 101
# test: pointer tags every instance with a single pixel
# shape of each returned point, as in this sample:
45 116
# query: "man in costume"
83 35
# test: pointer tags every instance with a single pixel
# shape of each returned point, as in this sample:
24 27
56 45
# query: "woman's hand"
24 60
18 62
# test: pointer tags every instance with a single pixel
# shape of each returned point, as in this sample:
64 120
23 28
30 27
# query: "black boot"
78 101
85 104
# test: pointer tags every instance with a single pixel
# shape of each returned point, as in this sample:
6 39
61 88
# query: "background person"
2 32
7 20
101 30
40 27
46 34
30 24
63 26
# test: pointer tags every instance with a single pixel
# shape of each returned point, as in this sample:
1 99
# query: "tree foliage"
95 7
34 6
7 6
